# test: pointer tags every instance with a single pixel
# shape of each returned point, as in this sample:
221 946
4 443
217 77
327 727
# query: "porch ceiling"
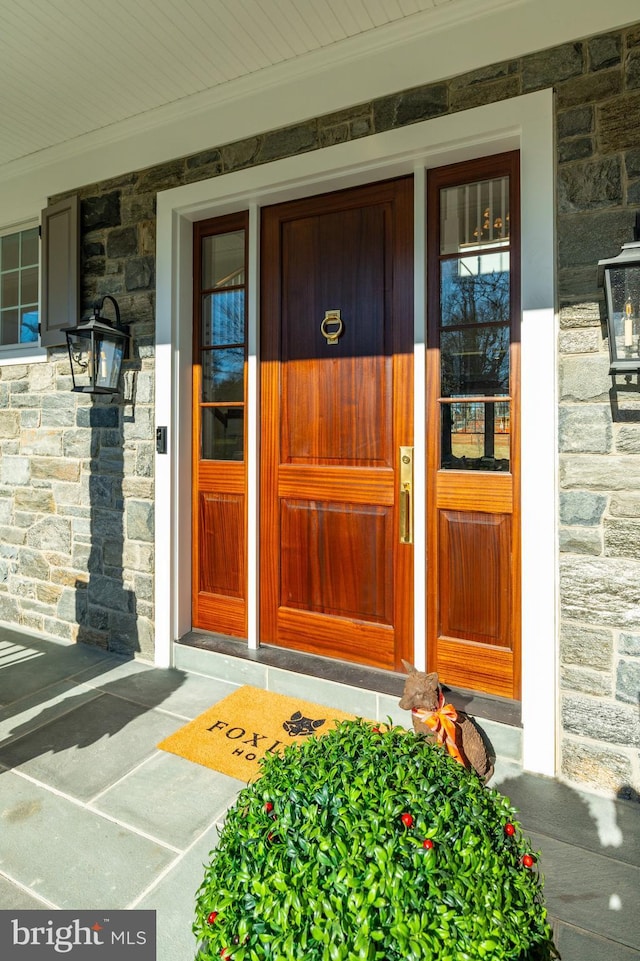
72 67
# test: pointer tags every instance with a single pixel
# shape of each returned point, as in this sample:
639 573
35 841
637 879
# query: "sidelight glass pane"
223 318
474 360
223 260
474 215
475 436
475 290
29 247
223 375
223 433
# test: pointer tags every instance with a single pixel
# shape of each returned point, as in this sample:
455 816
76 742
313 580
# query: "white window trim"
32 353
525 123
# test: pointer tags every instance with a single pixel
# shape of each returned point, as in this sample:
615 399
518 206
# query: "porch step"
362 691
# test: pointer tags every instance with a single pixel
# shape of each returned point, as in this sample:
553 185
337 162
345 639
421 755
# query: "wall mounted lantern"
96 351
620 277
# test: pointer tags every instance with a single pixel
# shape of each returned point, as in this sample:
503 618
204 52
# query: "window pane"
9 289
8 327
473 215
10 252
474 361
222 433
29 286
475 436
223 318
29 247
475 290
28 326
223 375
223 260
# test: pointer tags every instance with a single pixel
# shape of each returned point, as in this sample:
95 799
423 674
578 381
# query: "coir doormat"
235 733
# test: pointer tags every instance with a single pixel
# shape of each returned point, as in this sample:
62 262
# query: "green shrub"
367 844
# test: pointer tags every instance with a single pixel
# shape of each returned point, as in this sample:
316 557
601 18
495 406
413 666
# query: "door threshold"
487 706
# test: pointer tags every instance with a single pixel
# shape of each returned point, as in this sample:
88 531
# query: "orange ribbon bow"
442 722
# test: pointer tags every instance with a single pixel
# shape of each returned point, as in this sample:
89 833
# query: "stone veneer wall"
76 478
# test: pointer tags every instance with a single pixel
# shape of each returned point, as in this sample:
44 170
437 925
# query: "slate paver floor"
92 815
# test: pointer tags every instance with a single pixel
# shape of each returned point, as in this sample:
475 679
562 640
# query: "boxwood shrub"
371 843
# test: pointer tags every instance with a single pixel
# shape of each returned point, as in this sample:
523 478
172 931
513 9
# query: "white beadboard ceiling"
72 67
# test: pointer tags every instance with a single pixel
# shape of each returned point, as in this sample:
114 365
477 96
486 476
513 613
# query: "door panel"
473 539
334 578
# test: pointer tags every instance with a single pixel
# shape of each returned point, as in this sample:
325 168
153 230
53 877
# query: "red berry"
509 829
407 819
528 860
212 917
268 807
427 843
225 953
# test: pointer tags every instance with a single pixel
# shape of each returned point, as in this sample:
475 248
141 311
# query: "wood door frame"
526 122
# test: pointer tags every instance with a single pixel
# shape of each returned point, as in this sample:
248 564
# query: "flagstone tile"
226 668
15 898
87 749
170 798
72 857
599 824
174 900
29 664
589 890
575 944
33 712
177 692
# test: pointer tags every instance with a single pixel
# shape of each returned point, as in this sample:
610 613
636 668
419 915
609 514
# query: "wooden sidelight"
219 601
336 561
473 509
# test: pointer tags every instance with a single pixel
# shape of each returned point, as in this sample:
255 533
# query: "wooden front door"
336 562
473 555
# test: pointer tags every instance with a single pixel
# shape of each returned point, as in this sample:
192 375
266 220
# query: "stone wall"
76 486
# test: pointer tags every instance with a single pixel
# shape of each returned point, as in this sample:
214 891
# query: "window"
19 288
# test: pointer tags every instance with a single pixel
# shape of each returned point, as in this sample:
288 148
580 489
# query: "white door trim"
525 123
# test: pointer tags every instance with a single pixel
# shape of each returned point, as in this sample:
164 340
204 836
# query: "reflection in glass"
223 318
474 215
28 326
222 433
475 290
223 260
474 360
475 436
10 252
9 327
223 375
29 247
29 286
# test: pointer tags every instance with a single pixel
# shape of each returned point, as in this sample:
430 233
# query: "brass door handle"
405 495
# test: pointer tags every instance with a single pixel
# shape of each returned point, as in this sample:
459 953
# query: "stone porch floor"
92 815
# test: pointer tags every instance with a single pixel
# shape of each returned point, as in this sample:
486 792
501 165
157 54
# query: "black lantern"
620 277
96 351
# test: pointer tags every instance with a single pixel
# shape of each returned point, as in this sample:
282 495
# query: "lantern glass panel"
80 354
624 310
108 360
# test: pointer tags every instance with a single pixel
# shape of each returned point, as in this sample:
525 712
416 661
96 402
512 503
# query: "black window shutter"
60 259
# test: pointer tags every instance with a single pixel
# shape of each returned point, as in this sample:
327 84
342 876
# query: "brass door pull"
405 507
332 326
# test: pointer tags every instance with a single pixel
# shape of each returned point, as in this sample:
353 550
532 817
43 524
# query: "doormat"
235 733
